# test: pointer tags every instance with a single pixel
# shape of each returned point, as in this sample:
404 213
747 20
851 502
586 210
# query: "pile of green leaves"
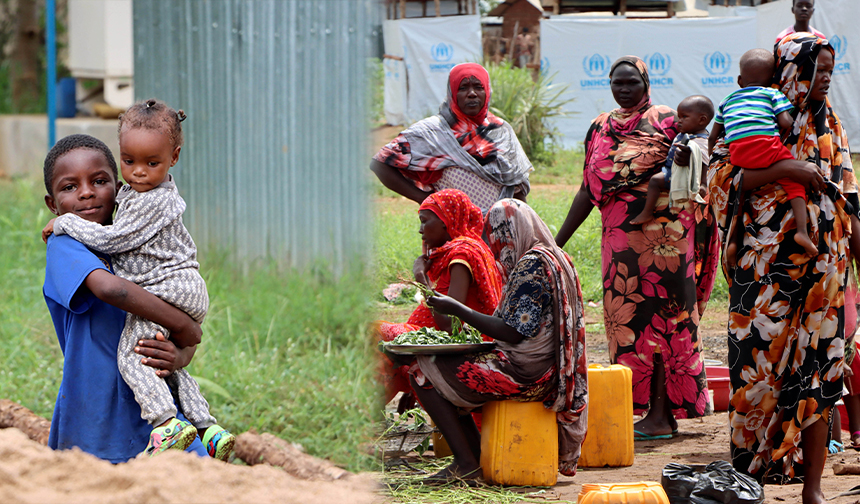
461 334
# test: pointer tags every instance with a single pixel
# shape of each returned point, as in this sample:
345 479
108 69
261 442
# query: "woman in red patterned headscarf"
463 147
455 262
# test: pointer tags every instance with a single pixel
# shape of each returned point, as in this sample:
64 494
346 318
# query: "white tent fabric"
688 56
430 47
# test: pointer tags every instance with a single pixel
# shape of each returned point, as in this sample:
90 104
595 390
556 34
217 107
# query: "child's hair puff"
157 115
68 144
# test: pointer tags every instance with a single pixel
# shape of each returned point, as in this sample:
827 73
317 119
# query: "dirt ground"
32 473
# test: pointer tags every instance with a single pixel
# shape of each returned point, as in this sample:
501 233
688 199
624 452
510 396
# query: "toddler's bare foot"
803 240
642 218
732 254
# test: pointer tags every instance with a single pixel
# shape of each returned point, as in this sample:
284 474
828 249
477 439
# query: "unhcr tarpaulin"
684 57
689 56
430 47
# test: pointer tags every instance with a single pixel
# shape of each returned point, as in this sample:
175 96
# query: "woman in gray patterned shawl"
464 147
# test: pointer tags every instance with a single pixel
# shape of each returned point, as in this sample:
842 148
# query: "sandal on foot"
219 442
175 434
641 436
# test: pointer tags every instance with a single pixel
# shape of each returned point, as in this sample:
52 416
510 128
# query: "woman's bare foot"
732 254
642 218
803 240
454 473
813 496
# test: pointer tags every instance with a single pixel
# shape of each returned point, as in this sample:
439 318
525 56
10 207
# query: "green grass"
406 488
283 352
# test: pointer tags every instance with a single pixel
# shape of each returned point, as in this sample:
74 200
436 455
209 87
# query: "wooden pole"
438 8
556 7
402 9
670 9
623 9
424 8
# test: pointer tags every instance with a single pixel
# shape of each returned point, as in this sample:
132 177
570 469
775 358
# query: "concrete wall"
24 139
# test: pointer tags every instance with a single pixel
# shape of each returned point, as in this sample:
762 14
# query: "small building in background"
519 18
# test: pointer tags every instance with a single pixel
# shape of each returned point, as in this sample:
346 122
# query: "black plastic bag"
716 483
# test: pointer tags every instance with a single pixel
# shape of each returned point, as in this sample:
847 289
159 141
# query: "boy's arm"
130 297
141 219
715 135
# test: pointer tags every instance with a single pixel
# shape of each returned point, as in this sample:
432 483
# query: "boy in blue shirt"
95 409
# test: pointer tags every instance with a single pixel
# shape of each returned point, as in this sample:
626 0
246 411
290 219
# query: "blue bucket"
66 102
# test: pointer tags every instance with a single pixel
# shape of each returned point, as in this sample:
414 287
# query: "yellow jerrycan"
609 441
644 492
519 444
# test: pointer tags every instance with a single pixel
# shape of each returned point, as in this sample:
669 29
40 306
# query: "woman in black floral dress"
540 334
786 311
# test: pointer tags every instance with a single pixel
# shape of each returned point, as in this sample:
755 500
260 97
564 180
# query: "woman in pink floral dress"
657 276
540 336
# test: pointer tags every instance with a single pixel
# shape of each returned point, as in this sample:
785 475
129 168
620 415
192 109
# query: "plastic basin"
720 384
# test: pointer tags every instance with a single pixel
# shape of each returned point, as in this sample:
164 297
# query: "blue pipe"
51 29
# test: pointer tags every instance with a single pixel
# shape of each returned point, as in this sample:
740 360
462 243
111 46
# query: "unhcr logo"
544 66
596 67
659 65
442 53
840 47
718 65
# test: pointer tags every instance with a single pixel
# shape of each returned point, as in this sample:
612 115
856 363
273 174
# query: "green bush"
529 106
376 92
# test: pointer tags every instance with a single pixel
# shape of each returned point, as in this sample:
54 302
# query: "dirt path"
701 441
31 473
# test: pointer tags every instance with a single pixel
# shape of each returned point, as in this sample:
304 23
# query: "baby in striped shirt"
751 119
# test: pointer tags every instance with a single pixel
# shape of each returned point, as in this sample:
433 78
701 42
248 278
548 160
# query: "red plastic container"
843 416
720 384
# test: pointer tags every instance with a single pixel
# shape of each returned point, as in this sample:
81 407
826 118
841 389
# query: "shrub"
529 107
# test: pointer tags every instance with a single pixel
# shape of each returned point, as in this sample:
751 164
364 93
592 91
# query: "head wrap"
464 71
642 69
817 135
460 216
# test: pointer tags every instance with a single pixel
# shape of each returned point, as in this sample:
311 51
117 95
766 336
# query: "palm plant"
529 106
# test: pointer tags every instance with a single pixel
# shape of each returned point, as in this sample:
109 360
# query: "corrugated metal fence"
275 156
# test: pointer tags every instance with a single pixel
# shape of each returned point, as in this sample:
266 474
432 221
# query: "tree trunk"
25 69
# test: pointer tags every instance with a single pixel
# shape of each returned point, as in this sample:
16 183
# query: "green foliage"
376 92
285 352
8 26
529 106
565 168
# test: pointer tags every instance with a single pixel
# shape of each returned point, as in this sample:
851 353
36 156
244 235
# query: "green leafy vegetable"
460 334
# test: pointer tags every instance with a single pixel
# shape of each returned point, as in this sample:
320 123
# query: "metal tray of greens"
429 341
442 349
